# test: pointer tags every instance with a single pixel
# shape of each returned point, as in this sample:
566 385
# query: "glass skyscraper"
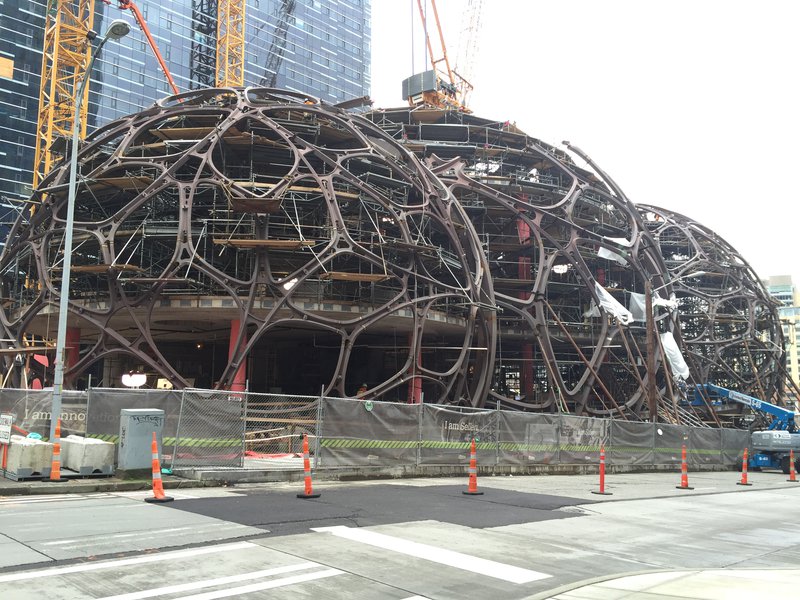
325 52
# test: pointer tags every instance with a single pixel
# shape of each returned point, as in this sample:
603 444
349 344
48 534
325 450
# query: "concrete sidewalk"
87 485
621 486
713 584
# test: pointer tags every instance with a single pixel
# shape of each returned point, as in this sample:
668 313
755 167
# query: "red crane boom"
137 15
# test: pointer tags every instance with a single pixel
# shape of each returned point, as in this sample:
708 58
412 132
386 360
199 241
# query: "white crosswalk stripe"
115 564
442 556
267 585
207 583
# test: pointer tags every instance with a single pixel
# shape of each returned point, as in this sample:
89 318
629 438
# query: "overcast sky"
687 105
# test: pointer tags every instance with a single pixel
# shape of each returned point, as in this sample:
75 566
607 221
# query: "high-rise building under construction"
319 47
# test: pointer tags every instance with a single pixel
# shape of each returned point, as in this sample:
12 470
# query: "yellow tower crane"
67 50
67 32
230 43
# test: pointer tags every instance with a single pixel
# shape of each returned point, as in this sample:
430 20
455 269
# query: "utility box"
136 428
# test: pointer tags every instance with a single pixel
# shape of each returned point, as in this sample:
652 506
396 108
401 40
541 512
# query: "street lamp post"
118 29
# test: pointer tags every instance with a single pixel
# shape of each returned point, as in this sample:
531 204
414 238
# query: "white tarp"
674 356
593 311
618 240
637 305
670 304
610 305
604 252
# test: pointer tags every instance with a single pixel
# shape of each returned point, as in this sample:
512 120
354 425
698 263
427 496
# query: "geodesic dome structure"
256 238
254 227
568 255
729 324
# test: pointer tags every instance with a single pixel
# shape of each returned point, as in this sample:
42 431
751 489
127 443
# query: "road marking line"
257 587
93 541
199 585
42 500
125 562
150 534
442 556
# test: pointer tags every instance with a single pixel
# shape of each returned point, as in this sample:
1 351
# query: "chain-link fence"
206 428
275 425
210 429
357 434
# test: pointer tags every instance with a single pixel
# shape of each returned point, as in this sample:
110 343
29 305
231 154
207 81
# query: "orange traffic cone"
744 469
158 486
792 470
602 491
55 464
684 471
472 489
309 492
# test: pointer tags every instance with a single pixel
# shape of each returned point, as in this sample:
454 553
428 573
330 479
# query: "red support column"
240 379
415 383
72 351
73 347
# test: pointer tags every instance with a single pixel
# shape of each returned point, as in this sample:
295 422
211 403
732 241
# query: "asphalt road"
282 514
524 538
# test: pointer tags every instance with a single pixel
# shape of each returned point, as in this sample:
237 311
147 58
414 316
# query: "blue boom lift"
770 448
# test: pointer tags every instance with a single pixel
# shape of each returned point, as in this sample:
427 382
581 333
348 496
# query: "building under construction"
253 238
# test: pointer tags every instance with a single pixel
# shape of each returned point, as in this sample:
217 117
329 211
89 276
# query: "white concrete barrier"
87 456
28 458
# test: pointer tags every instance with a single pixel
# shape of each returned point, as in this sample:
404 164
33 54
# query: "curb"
82 486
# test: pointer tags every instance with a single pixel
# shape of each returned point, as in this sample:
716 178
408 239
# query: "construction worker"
362 391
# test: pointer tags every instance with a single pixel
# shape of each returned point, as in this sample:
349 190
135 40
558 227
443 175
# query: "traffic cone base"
601 493
309 495
742 483
152 499
468 493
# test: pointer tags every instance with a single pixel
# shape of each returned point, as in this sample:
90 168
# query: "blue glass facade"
326 53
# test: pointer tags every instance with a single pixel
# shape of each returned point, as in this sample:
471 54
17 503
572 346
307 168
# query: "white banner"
637 305
610 305
674 356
